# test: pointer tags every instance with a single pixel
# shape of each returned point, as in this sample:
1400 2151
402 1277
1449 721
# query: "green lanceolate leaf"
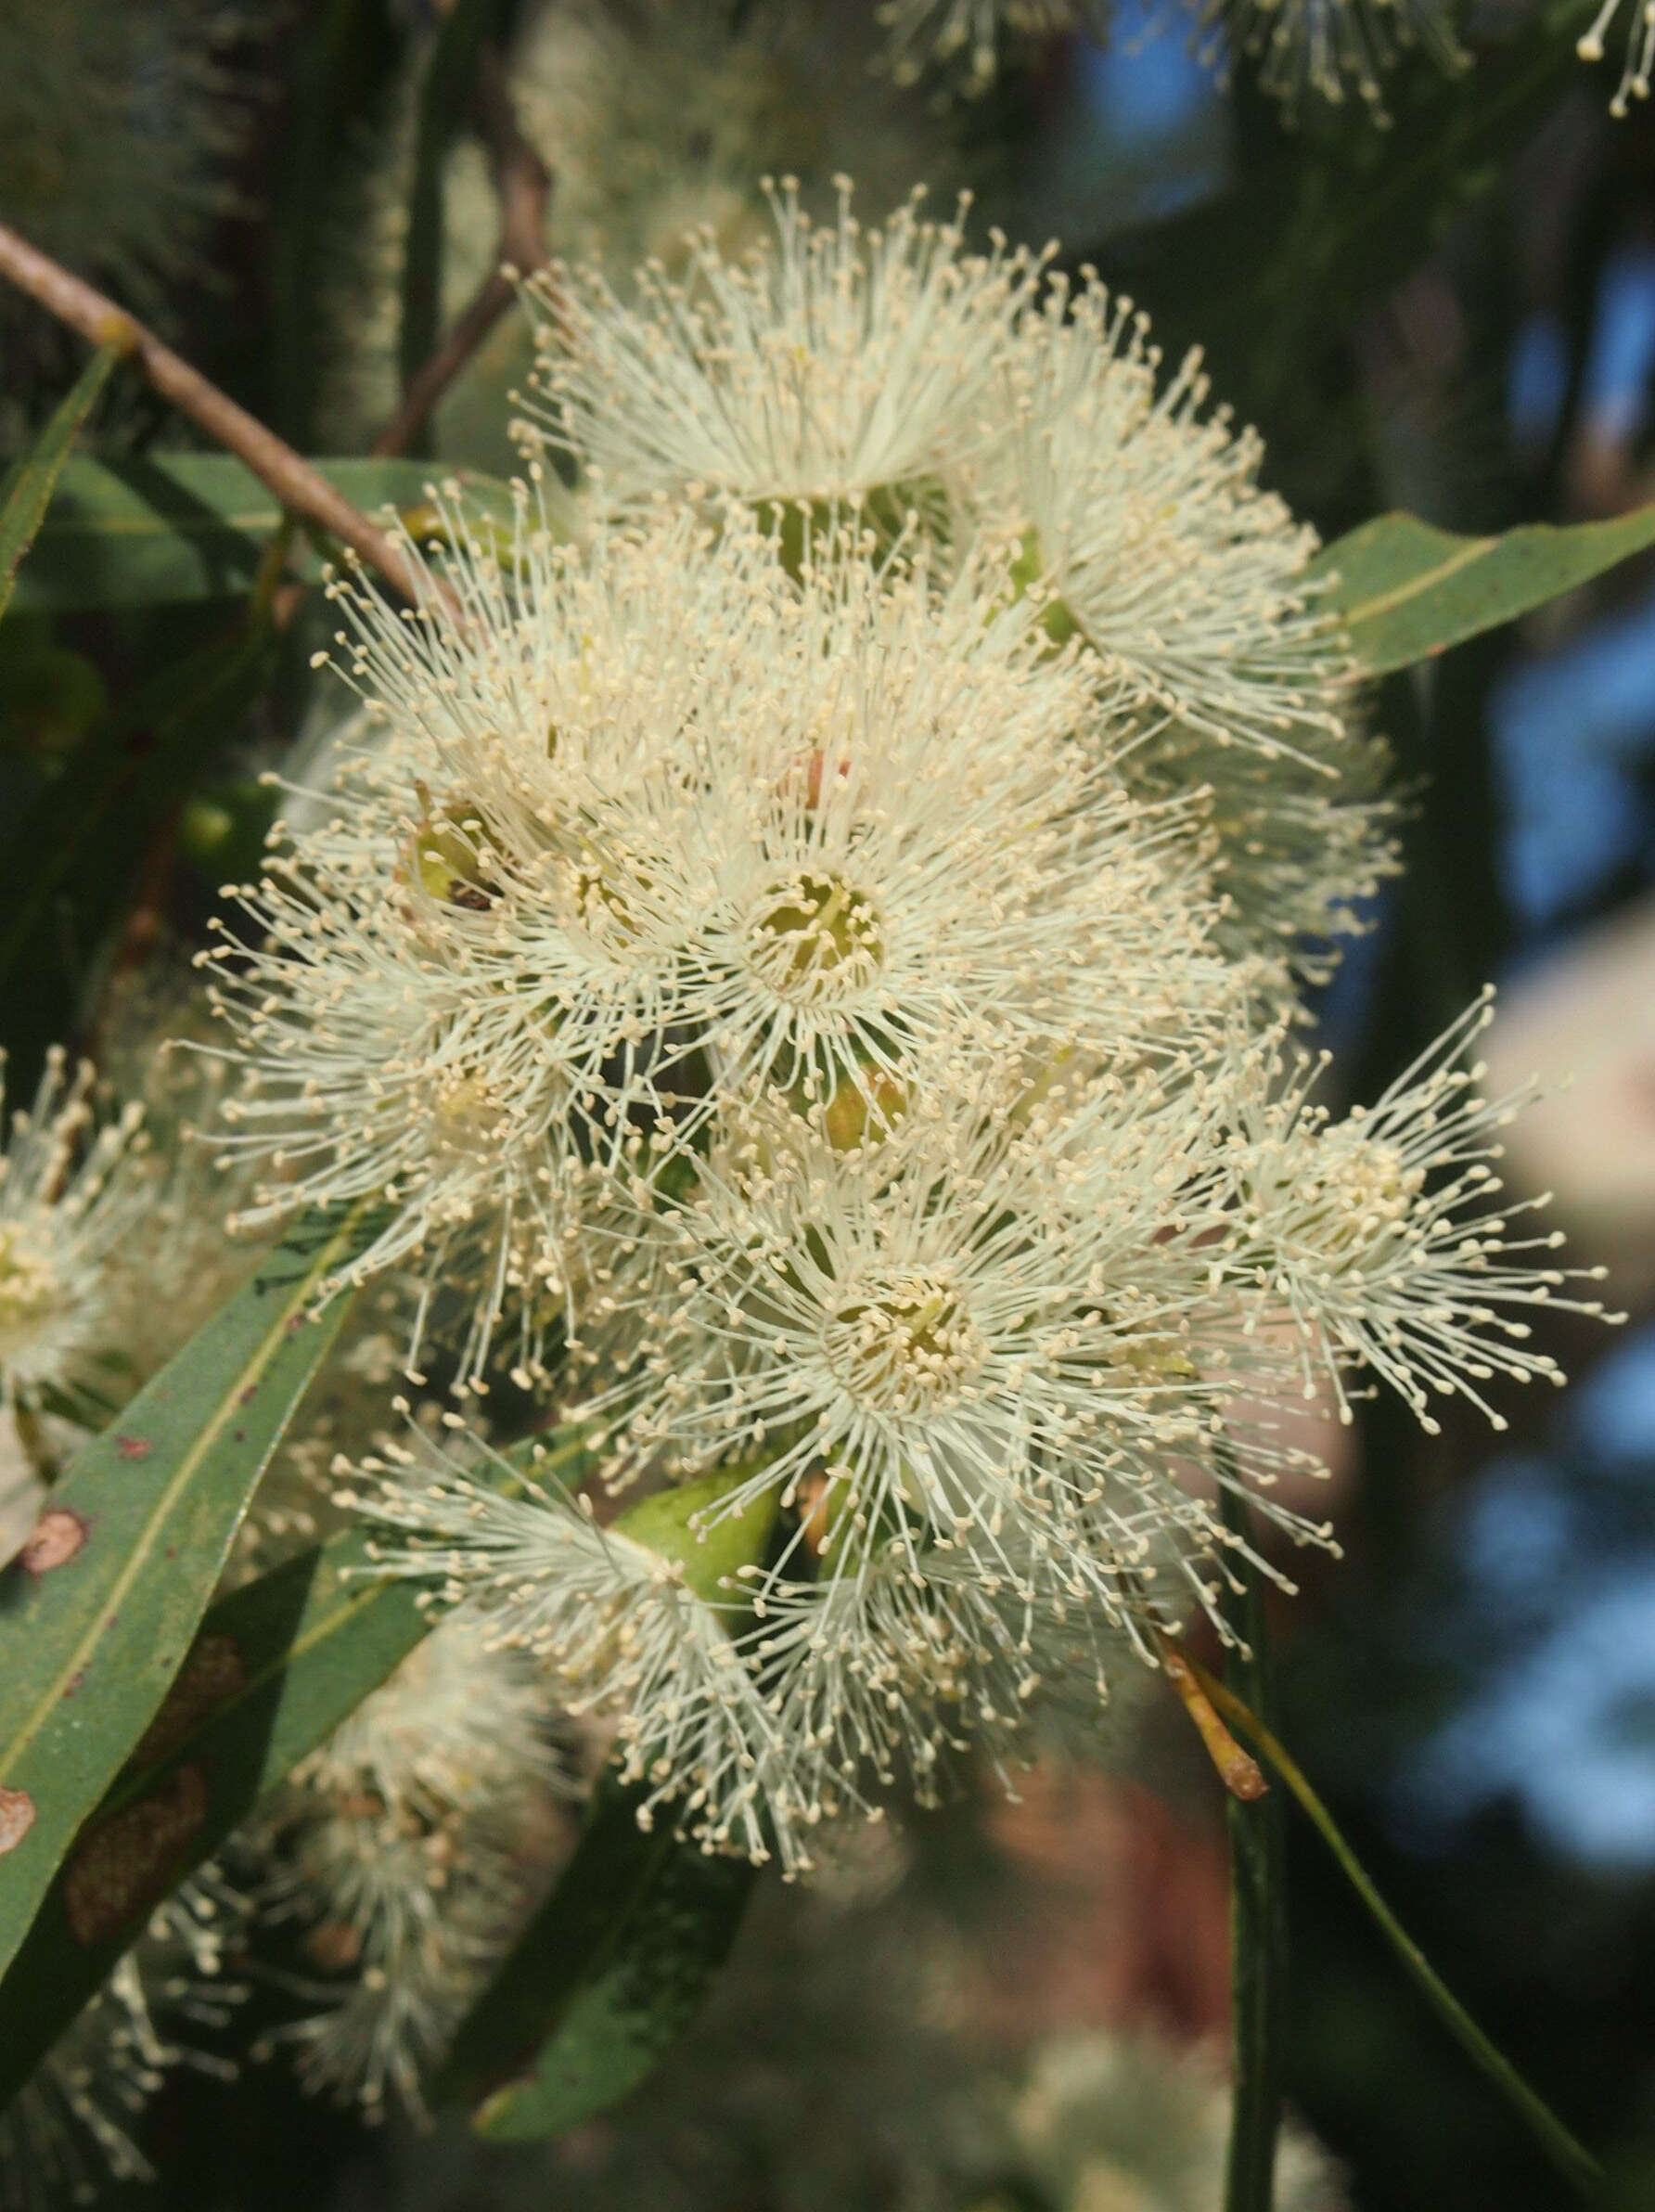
1406 590
617 1963
98 1611
1571 2158
273 1671
194 526
30 486
619 1959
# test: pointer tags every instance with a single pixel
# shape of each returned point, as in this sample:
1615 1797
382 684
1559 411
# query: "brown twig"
523 184
1240 1775
286 473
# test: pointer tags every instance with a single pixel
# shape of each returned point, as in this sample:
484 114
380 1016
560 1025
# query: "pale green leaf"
1406 590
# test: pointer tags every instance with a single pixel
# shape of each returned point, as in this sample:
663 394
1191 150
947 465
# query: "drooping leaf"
193 526
619 1960
273 1671
98 1611
1408 590
1571 2158
28 488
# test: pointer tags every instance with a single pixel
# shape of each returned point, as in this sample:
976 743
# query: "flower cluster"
411 1848
809 966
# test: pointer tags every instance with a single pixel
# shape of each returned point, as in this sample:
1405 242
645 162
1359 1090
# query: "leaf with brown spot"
154 1536
17 1817
59 1535
122 1867
275 1669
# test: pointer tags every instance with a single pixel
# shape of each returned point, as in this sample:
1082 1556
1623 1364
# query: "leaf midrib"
230 1405
1412 586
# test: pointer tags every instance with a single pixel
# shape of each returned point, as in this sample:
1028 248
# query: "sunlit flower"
692 825
1299 844
1384 1235
839 363
366 1075
623 1631
749 1706
1146 531
1145 517
71 1188
943 1394
987 1328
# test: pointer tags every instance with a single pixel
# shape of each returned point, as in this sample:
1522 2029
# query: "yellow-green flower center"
31 1292
909 1348
816 937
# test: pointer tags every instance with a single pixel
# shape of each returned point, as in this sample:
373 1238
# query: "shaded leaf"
1408 590
28 488
193 526
620 1959
1571 2158
98 1611
274 1669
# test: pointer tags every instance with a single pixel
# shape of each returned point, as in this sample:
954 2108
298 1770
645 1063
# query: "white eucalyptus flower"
72 1186
697 826
621 1629
839 363
749 1706
989 1328
413 1847
1145 518
944 1394
366 1074
1384 1235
